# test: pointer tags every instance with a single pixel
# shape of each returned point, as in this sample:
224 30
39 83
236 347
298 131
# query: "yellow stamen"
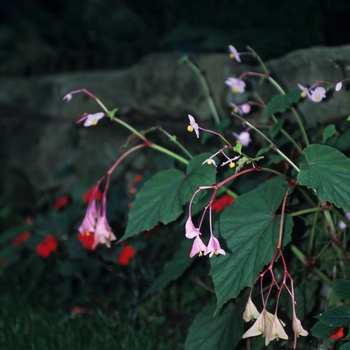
216 253
200 254
235 90
237 141
232 165
209 162
303 94
190 128
317 97
94 122
232 55
235 110
87 233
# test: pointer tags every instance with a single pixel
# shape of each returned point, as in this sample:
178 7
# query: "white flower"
243 138
193 125
338 86
236 85
318 94
234 53
210 161
92 119
250 311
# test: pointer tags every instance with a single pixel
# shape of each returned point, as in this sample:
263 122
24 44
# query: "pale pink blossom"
318 94
234 53
89 222
241 109
198 247
213 247
190 230
92 119
236 85
193 125
103 232
338 86
243 138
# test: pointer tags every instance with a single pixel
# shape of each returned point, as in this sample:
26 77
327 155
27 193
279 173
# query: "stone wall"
40 137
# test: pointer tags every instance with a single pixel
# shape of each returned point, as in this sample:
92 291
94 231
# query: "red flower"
222 202
337 334
127 253
87 240
132 189
88 194
21 238
61 202
46 247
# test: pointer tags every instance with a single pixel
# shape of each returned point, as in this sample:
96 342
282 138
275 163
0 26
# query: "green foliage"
162 197
173 269
341 288
336 316
222 332
249 227
280 103
326 170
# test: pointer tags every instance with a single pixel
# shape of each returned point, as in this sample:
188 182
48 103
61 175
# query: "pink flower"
193 125
190 229
103 232
236 85
316 95
338 86
234 53
243 138
213 247
89 222
68 97
198 247
242 109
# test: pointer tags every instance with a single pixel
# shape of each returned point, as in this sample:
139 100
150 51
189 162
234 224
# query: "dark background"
51 36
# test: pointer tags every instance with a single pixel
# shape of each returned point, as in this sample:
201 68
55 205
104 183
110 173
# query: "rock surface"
40 137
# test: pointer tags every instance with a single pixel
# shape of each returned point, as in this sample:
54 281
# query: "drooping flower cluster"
267 324
191 231
95 223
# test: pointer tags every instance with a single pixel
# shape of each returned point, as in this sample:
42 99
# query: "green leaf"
238 148
328 132
345 346
222 332
174 268
276 128
326 170
250 228
162 197
322 330
341 289
304 296
112 112
336 316
280 103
